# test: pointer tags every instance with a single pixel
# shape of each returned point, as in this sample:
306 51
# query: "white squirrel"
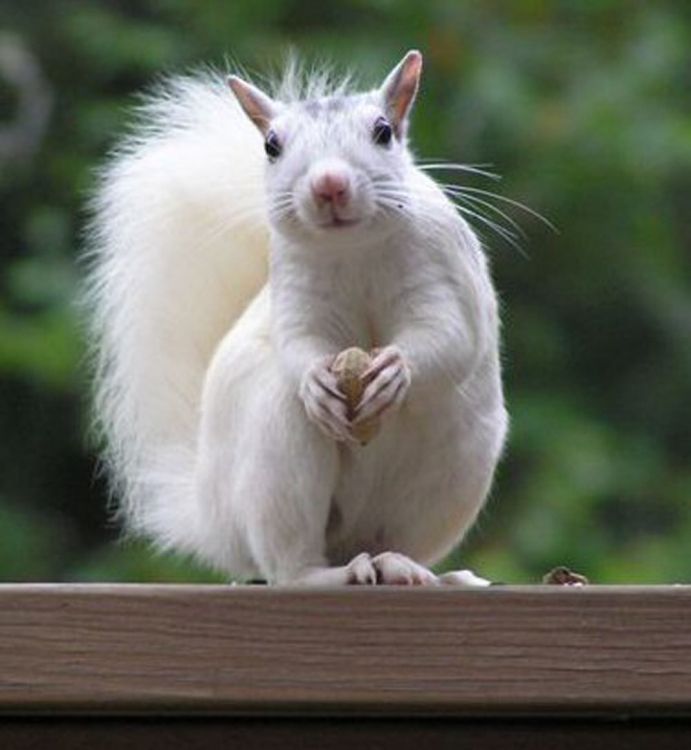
239 244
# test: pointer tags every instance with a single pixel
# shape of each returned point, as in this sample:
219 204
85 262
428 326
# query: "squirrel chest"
353 299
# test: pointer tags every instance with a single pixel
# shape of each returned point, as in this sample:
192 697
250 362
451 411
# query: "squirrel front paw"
388 379
324 403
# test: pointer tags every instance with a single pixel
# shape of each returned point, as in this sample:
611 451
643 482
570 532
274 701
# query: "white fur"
180 246
202 366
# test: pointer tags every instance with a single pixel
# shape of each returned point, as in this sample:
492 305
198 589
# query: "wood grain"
542 651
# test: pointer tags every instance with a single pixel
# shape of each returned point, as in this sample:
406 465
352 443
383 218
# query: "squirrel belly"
226 277
280 497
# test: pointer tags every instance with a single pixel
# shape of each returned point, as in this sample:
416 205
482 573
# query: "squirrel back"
179 245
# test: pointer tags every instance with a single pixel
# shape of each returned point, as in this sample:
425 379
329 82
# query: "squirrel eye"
382 132
272 146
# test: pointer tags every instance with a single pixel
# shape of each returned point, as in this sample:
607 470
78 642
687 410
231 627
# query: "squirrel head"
335 161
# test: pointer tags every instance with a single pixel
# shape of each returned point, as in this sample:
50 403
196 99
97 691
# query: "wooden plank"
241 650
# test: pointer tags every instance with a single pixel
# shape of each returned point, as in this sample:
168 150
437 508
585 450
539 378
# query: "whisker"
393 194
459 195
506 234
503 231
394 206
389 196
442 160
510 201
452 166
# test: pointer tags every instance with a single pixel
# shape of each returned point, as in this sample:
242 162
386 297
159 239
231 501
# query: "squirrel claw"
389 380
324 403
361 571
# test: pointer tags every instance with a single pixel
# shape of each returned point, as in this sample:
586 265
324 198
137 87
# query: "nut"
348 367
562 576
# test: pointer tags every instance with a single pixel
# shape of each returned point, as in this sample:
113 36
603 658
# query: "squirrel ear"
259 107
399 89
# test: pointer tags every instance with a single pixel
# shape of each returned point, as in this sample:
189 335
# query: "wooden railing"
132 664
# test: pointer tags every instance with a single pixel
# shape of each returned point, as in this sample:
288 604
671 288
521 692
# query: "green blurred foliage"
583 107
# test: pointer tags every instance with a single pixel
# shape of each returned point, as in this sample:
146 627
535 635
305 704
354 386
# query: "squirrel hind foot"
396 569
358 572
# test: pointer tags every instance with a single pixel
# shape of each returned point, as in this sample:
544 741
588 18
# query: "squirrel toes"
295 334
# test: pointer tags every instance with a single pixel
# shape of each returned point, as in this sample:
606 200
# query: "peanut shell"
348 367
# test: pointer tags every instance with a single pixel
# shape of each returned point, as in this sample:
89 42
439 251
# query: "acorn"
348 367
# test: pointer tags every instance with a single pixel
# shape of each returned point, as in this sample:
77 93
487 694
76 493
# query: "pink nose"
331 187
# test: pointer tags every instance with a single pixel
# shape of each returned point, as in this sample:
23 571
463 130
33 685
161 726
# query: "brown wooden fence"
256 667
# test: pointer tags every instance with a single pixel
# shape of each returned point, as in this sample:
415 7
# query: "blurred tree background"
584 108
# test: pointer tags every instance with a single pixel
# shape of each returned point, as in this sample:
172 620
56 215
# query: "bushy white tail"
179 247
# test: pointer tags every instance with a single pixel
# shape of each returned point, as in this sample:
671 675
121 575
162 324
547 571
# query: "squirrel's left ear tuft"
400 88
259 107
